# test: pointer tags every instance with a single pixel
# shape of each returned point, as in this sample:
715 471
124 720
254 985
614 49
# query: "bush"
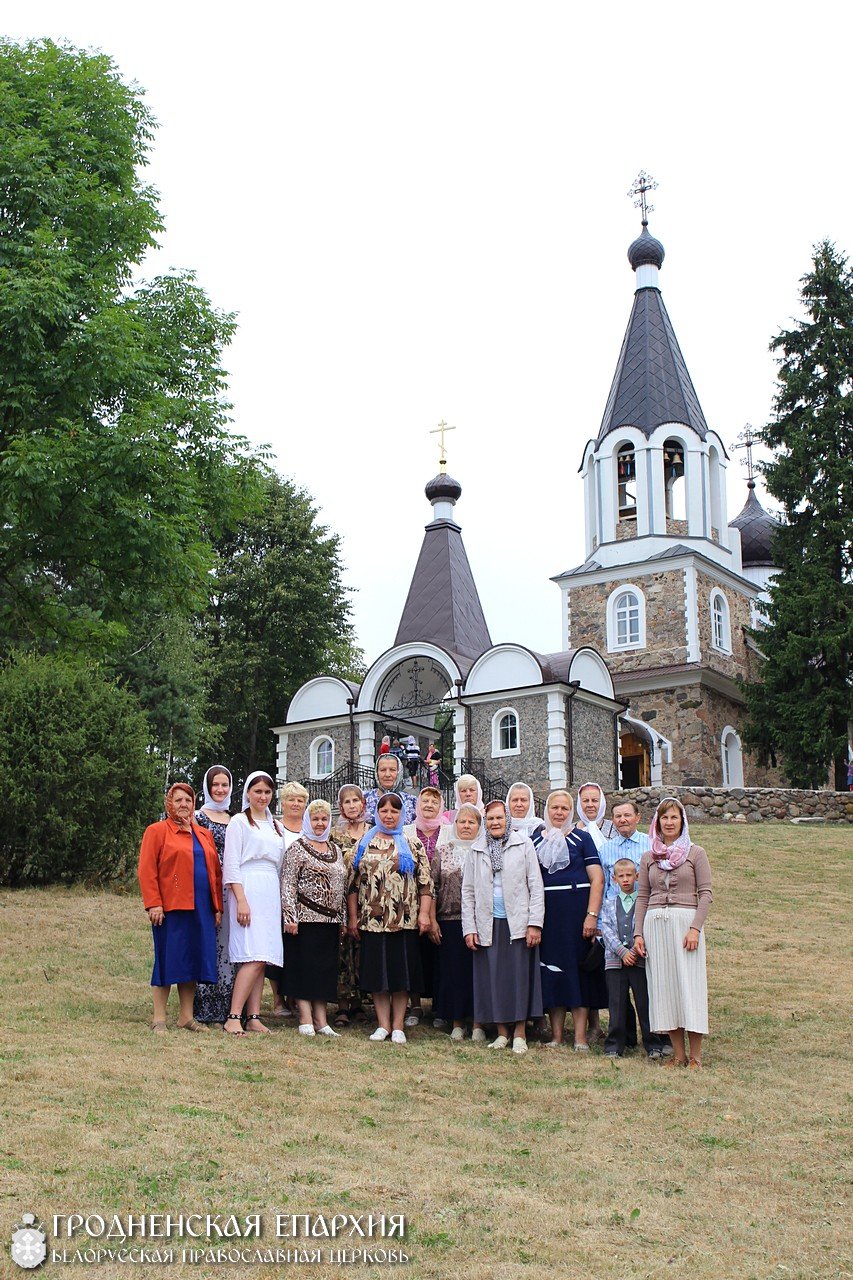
80 785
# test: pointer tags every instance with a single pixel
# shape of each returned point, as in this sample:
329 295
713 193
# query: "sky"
420 212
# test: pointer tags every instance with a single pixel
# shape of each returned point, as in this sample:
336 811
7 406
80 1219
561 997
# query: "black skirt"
390 962
454 996
311 962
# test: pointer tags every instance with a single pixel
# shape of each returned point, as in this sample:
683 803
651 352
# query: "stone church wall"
299 749
666 640
531 764
732 664
594 745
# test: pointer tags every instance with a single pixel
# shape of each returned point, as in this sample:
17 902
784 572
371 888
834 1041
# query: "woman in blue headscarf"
388 902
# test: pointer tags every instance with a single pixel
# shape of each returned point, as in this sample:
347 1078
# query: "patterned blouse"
447 867
313 885
387 900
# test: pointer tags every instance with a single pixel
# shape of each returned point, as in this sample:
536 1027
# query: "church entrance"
636 762
412 702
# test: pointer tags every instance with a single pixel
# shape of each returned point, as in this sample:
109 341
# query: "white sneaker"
327 1031
457 1034
306 1029
478 1035
398 1037
413 1020
379 1034
500 1043
519 1045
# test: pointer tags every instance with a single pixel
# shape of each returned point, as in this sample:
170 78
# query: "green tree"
79 782
279 616
801 709
116 466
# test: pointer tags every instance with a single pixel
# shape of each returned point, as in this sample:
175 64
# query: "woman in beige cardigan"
672 903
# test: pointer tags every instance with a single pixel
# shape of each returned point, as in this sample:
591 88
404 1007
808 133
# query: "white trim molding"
497 750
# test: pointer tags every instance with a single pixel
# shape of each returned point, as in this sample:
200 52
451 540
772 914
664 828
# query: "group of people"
497 915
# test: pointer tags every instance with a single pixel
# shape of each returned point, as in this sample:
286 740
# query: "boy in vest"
624 970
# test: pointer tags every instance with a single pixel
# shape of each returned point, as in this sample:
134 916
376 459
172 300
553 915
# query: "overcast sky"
419 212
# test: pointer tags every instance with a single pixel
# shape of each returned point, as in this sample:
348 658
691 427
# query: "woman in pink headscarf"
672 905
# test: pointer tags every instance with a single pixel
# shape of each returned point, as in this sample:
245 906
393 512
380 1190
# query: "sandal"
695 1064
233 1017
256 1017
192 1025
675 1062
159 1028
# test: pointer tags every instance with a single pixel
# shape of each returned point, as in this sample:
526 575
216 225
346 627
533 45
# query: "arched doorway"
636 761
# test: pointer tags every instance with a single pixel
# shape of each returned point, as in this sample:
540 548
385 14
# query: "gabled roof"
443 606
651 385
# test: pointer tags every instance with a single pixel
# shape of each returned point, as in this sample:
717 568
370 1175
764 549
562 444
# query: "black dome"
756 532
443 487
645 251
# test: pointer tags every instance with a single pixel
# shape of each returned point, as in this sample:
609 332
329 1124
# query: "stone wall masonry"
732 664
531 764
745 804
594 744
299 749
666 641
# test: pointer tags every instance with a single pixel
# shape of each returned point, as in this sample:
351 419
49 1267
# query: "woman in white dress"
253 854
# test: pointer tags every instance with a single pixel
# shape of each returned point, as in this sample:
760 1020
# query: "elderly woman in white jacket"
503 906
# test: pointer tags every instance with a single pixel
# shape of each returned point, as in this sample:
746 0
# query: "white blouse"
245 843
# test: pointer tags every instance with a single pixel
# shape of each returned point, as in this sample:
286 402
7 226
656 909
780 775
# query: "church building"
645 690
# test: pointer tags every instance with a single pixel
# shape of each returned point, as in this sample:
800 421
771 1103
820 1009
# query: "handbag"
594 958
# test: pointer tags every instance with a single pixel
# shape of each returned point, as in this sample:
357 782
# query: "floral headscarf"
169 802
669 856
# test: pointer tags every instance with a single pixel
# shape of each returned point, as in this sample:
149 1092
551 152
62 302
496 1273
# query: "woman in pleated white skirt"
672 904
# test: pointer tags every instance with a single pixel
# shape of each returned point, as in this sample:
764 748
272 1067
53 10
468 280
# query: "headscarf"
460 847
553 851
531 822
343 822
309 832
218 806
246 802
169 802
670 856
495 848
592 828
400 782
467 779
405 861
428 825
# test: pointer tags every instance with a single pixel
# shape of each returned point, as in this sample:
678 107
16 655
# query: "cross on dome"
440 430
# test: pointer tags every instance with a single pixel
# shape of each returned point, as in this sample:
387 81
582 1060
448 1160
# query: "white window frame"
497 750
613 644
721 636
314 756
726 758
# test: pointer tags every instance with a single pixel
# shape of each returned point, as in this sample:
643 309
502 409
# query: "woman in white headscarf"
213 999
574 886
467 790
521 807
253 854
592 806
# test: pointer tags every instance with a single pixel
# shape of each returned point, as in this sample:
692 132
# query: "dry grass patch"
549 1164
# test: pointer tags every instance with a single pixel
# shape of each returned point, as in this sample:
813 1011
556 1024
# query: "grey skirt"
507 979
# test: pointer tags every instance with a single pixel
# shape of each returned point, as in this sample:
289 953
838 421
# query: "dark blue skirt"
454 997
185 943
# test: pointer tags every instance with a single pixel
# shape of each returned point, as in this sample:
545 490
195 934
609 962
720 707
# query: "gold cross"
440 430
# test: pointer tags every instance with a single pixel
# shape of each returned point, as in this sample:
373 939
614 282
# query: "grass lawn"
548 1165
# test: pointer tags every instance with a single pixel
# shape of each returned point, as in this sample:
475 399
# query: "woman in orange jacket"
181 882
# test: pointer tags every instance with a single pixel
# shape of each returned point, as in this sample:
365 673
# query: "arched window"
721 632
626 482
673 480
732 758
505 739
322 757
626 619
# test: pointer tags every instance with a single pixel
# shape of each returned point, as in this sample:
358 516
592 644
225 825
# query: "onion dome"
645 251
756 527
443 488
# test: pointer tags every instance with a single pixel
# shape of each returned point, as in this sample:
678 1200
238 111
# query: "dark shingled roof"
651 384
756 532
443 606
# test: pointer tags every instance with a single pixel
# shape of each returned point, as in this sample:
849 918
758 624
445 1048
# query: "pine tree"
801 709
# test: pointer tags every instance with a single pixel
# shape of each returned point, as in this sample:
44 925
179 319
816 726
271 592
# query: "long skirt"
311 962
261 939
507 982
678 984
454 991
390 961
212 1000
185 943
